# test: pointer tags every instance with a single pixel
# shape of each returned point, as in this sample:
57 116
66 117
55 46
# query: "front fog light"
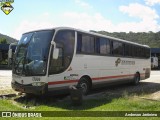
38 84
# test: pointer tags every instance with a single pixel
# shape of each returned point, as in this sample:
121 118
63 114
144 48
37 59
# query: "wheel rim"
84 87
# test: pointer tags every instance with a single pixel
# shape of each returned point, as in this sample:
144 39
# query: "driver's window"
65 41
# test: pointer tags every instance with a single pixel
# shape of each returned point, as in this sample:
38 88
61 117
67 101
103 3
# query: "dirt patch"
7 92
155 96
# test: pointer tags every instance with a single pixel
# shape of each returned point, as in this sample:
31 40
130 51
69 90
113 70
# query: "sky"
105 15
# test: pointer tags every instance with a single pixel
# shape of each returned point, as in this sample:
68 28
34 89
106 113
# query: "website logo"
6 6
6 114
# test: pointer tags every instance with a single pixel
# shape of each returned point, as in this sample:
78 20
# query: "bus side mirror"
55 53
9 57
55 50
10 53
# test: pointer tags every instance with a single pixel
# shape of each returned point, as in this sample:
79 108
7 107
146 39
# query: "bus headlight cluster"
38 84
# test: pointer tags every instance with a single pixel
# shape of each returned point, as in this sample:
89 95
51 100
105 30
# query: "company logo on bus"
124 62
117 62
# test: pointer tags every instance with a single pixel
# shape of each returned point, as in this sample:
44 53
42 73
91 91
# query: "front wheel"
84 85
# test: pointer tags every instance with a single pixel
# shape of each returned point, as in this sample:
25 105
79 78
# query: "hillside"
150 38
9 39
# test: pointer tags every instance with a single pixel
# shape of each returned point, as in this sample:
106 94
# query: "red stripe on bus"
111 77
62 82
99 78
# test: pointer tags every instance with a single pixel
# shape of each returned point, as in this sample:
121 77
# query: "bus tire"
136 79
84 85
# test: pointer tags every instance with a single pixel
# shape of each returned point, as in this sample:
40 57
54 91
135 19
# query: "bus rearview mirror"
55 53
10 53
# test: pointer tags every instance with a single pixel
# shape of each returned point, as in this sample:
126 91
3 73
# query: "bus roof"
92 33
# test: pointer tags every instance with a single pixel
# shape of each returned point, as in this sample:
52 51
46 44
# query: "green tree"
3 41
148 38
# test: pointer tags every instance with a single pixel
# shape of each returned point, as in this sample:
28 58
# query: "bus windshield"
31 55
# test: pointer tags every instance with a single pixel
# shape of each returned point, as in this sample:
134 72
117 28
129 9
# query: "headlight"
38 84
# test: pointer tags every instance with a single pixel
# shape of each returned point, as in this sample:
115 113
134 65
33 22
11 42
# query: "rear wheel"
84 85
136 79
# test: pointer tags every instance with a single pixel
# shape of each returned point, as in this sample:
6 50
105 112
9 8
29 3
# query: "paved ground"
149 87
155 77
5 79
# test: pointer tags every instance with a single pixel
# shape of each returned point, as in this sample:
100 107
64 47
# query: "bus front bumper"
37 90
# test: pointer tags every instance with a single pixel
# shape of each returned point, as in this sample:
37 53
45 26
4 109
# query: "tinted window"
97 46
104 46
79 43
131 50
147 52
85 44
135 51
138 51
141 52
117 48
127 50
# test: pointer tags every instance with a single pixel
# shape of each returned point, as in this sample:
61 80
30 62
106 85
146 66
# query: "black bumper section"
37 90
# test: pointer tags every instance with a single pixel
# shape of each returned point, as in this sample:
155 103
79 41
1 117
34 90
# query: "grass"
110 101
105 103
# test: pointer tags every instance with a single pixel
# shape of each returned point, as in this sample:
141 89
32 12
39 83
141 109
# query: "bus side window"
117 48
104 46
97 46
147 51
79 43
111 47
126 51
85 44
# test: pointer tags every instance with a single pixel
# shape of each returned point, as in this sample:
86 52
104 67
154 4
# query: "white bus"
49 61
154 62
